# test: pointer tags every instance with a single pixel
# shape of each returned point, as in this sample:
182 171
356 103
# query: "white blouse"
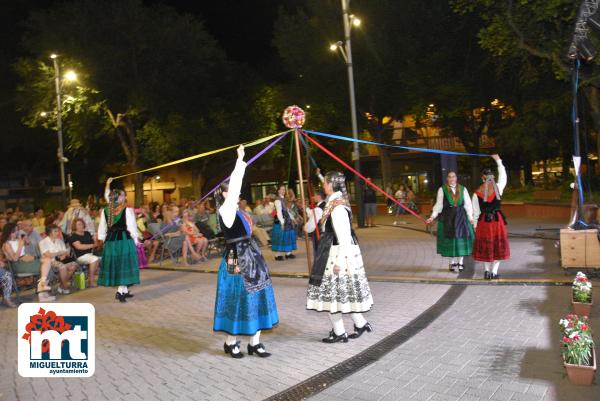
343 229
502 180
229 207
130 221
439 203
279 209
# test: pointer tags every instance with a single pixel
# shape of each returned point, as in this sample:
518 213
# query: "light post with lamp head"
351 20
69 77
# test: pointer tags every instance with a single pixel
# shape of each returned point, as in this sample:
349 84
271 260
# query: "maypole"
294 117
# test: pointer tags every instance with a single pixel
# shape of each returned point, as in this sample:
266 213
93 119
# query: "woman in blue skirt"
283 234
118 229
245 301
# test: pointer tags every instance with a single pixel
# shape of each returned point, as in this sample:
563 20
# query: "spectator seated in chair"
83 245
77 211
31 237
13 249
195 241
54 249
38 221
143 219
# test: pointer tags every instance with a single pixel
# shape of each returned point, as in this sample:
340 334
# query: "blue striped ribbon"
441 152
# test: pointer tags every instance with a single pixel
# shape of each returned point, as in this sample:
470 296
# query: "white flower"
573 334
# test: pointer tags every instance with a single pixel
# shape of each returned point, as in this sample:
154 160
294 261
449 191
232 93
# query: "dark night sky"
243 28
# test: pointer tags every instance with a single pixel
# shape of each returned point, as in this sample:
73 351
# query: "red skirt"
491 241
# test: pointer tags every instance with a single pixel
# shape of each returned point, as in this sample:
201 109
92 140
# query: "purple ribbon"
249 162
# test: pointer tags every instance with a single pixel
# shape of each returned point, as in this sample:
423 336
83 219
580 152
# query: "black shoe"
279 258
494 276
487 275
452 267
255 349
121 297
229 350
461 267
333 338
290 256
359 331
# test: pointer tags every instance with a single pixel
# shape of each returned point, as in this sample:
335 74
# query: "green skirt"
119 264
451 247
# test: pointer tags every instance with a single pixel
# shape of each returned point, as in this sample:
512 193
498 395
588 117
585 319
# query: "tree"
151 79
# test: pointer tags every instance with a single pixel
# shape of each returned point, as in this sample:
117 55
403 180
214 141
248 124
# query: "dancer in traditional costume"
118 229
314 216
338 282
245 301
283 233
491 237
455 227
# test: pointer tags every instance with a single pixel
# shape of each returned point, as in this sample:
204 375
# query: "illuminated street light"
333 47
53 56
43 114
70 76
355 21
308 106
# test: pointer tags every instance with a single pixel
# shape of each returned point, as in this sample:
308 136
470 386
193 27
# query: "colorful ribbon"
201 155
249 162
362 177
442 152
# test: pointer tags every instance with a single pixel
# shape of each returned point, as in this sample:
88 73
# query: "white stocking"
122 289
487 266
359 320
460 260
496 265
255 339
452 261
338 323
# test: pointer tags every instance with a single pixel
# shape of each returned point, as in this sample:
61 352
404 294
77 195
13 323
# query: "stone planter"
582 375
581 308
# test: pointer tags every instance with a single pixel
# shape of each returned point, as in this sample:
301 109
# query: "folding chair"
15 275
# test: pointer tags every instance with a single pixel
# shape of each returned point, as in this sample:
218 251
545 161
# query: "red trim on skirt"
491 241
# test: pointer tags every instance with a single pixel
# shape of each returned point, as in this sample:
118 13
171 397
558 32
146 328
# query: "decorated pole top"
293 117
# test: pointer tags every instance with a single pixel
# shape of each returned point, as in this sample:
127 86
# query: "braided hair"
338 183
113 204
489 181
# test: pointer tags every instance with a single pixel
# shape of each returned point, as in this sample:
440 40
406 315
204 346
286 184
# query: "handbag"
79 280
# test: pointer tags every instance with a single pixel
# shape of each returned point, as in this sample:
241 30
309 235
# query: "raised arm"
107 189
229 207
502 179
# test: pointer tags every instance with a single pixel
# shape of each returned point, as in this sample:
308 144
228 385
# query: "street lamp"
350 19
70 76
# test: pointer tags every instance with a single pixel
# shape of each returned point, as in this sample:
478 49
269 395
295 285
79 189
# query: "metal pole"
355 150
302 199
579 214
60 153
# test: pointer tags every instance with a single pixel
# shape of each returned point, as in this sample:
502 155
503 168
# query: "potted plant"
582 295
577 346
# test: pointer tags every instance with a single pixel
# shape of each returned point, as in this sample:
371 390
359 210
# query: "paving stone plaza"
437 335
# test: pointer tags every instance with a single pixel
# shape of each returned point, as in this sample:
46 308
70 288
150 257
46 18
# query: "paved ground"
406 251
498 343
492 342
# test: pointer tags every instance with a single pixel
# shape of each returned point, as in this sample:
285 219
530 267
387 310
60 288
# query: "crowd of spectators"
54 245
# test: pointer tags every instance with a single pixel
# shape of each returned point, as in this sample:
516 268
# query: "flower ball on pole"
293 117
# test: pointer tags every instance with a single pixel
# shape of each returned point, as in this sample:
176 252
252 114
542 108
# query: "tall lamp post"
69 76
351 20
